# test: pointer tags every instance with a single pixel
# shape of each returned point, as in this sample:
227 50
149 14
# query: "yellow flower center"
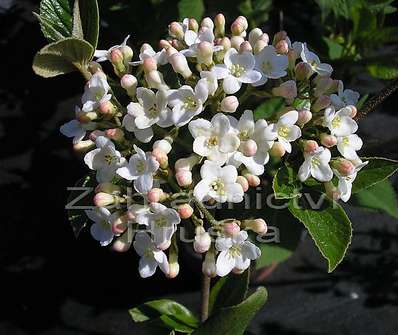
140 167
212 141
315 162
161 222
284 131
237 70
235 250
190 103
152 112
346 140
336 122
109 159
244 135
267 66
218 187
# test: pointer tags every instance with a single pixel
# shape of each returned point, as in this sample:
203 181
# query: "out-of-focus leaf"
269 108
335 50
383 71
191 9
381 196
285 183
362 101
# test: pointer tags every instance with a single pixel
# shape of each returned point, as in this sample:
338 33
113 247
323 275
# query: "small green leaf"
235 319
228 291
269 109
56 19
285 184
362 101
377 170
381 196
62 57
173 315
385 72
335 50
327 223
191 9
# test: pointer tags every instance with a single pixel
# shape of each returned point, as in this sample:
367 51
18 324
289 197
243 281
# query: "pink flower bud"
121 244
185 211
202 241
282 47
310 146
242 181
248 148
245 47
229 104
231 228
186 163
219 22
254 36
95 134
259 226
103 199
184 178
115 134
127 53
239 26
129 83
207 23
209 265
354 110
163 145
328 140
344 166
107 188
323 84
279 36
155 80
176 30
149 64
164 44
205 53
236 41
116 56
107 108
225 42
260 45
303 71
119 225
287 90
161 157
180 65
155 195
321 103
277 150
193 25
174 269
304 116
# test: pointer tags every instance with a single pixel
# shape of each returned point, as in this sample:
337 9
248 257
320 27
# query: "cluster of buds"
180 145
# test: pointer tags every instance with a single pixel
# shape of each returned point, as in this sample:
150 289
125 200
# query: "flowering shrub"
167 136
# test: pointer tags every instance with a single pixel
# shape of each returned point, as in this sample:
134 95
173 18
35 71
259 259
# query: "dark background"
52 283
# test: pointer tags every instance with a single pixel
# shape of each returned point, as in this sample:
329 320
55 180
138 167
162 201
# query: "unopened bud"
161 157
83 146
225 42
303 71
155 80
103 199
176 30
180 65
115 134
321 103
205 53
107 187
259 226
186 163
95 134
287 90
343 166
164 44
107 108
259 46
122 243
310 146
254 36
155 195
85 117
245 47
252 179
304 116
207 23
236 41
323 84
279 36
149 64
193 25
229 104
282 47
248 148
277 150
209 265
239 26
242 181
219 22
129 83
354 110
94 67
117 61
174 270
163 145
202 241
127 53
328 140
185 211
119 225
184 178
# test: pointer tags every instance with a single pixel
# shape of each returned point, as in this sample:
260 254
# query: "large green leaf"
235 319
62 57
285 183
269 109
327 223
173 315
385 72
89 17
228 291
377 170
381 196
191 9
56 19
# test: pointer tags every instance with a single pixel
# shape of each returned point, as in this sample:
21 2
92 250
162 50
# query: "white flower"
312 59
284 130
237 69
150 109
344 97
192 40
340 123
270 65
151 257
140 168
101 230
214 139
344 187
235 253
246 129
211 80
105 159
316 164
349 145
161 221
187 103
76 129
142 135
103 55
218 183
148 52
96 92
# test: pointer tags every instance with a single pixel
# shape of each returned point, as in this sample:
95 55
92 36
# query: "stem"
205 212
376 101
205 294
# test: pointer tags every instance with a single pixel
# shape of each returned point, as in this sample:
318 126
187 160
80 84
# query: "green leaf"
362 101
77 29
56 19
173 315
377 170
228 291
381 196
285 183
89 16
269 109
235 319
62 57
280 243
327 223
335 50
385 72
191 9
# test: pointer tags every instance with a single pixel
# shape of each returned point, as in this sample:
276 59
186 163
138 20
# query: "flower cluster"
170 134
